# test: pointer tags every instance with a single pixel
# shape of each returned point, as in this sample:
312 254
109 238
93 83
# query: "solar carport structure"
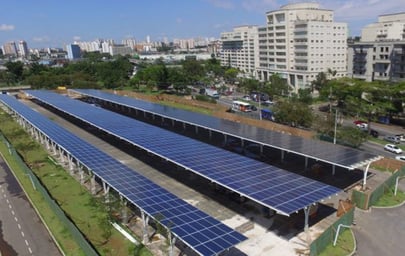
277 189
336 155
202 233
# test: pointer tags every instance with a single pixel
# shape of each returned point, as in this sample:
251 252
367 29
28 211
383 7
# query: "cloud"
41 39
224 4
5 27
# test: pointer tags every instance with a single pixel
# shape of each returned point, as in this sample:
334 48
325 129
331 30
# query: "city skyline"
47 23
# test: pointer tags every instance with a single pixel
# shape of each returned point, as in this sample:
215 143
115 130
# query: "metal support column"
124 212
92 183
81 173
282 155
306 162
306 225
106 189
365 176
210 134
172 242
196 129
333 170
145 220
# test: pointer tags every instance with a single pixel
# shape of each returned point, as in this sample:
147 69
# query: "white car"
400 158
393 148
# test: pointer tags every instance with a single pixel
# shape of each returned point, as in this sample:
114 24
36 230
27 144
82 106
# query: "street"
21 231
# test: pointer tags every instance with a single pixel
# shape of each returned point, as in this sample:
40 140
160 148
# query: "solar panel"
333 154
268 185
157 202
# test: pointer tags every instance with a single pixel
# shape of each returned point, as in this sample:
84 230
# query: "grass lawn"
89 214
389 199
344 245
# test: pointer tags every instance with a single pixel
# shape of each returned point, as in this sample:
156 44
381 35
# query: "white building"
240 49
299 41
380 53
23 49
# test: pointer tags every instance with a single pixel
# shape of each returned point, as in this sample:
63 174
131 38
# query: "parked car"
362 126
392 139
401 137
357 122
246 97
400 158
393 148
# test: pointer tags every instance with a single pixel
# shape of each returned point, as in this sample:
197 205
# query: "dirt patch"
388 164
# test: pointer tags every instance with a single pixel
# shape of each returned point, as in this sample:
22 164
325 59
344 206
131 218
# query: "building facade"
23 49
10 49
380 53
240 49
73 51
298 42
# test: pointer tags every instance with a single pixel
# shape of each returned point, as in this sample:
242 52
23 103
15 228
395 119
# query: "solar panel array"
206 235
283 191
333 154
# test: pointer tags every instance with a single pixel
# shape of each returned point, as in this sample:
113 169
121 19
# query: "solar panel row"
268 185
206 235
334 154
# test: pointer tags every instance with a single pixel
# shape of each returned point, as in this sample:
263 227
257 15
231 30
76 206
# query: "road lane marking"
16 220
26 242
9 206
7 201
29 249
19 226
22 233
12 212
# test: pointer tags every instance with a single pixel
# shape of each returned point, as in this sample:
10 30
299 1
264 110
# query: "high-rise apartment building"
23 49
240 49
298 42
73 51
10 49
380 53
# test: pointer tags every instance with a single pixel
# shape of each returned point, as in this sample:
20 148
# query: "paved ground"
381 231
21 231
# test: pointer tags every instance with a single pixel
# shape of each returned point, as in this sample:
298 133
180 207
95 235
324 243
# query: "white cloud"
76 38
41 39
5 27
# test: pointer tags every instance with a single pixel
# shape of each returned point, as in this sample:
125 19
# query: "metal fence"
73 230
327 237
364 200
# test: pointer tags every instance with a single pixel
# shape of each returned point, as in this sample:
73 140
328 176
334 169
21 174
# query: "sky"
55 23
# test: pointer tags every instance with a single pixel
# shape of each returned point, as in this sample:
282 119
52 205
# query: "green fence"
326 238
364 200
74 231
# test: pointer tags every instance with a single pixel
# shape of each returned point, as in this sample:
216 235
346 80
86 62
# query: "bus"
241 106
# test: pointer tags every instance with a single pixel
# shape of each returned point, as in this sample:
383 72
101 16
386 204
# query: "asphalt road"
21 231
380 231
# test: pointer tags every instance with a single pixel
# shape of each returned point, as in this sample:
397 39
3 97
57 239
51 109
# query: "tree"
15 68
249 84
231 74
320 82
294 113
277 86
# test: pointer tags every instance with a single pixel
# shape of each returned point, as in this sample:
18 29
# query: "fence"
364 200
73 230
326 238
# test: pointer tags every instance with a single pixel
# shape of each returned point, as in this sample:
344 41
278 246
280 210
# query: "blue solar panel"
334 154
263 183
154 200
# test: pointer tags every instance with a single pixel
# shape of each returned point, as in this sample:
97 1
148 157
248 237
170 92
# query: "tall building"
10 48
299 41
240 49
23 49
380 53
73 51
